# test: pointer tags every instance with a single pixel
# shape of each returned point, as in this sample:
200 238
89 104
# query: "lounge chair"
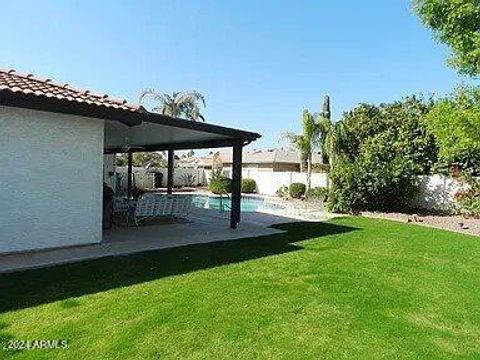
144 209
151 206
181 206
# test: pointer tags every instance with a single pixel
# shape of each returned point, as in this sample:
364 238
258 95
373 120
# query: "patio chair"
144 209
152 205
163 205
175 206
181 206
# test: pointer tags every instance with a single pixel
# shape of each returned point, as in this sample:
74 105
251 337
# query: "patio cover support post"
129 175
236 185
170 172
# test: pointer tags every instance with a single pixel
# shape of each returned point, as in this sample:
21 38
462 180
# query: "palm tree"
306 142
185 104
319 132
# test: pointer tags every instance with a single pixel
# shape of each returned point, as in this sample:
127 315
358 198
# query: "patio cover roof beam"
198 126
183 146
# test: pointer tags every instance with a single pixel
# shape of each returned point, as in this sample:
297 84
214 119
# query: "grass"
351 288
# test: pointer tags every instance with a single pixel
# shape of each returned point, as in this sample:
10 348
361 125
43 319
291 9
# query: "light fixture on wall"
127 147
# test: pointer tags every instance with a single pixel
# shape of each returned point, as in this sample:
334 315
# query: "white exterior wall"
50 179
109 170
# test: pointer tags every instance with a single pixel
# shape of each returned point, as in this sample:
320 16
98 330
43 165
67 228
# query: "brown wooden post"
170 171
236 185
129 175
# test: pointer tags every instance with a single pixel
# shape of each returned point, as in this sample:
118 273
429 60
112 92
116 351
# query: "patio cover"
124 122
158 132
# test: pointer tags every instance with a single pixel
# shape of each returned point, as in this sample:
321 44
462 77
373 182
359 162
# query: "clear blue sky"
259 63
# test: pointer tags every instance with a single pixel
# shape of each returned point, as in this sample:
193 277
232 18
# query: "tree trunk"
325 159
309 171
303 162
328 180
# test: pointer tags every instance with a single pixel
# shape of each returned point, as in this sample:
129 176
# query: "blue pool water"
248 204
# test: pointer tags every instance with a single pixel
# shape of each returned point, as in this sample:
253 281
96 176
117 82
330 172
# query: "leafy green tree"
379 151
455 122
455 23
335 140
184 104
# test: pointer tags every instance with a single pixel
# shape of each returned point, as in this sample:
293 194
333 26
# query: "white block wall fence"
50 179
268 182
146 180
436 192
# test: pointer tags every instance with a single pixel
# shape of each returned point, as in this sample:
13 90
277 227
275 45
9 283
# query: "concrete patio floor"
204 226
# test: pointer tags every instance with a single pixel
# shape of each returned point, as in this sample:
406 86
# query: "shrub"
220 185
455 121
297 190
282 192
249 186
365 185
379 155
317 193
469 200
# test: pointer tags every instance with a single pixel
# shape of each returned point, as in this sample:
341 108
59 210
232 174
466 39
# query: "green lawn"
350 288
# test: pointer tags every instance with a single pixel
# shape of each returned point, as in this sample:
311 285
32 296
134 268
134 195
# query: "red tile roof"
28 84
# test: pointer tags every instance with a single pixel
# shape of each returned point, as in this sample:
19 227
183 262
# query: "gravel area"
448 222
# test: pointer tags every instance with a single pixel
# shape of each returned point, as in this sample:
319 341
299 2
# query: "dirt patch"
456 223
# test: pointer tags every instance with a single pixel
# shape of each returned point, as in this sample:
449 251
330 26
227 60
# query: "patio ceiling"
158 133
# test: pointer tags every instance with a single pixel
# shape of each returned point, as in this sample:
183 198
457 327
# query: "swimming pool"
248 203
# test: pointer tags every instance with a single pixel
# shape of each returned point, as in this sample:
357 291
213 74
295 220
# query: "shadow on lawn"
39 286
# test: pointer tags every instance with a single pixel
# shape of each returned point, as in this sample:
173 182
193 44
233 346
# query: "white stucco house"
53 141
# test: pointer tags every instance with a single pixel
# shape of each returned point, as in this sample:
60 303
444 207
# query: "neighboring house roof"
262 156
30 92
278 156
205 161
